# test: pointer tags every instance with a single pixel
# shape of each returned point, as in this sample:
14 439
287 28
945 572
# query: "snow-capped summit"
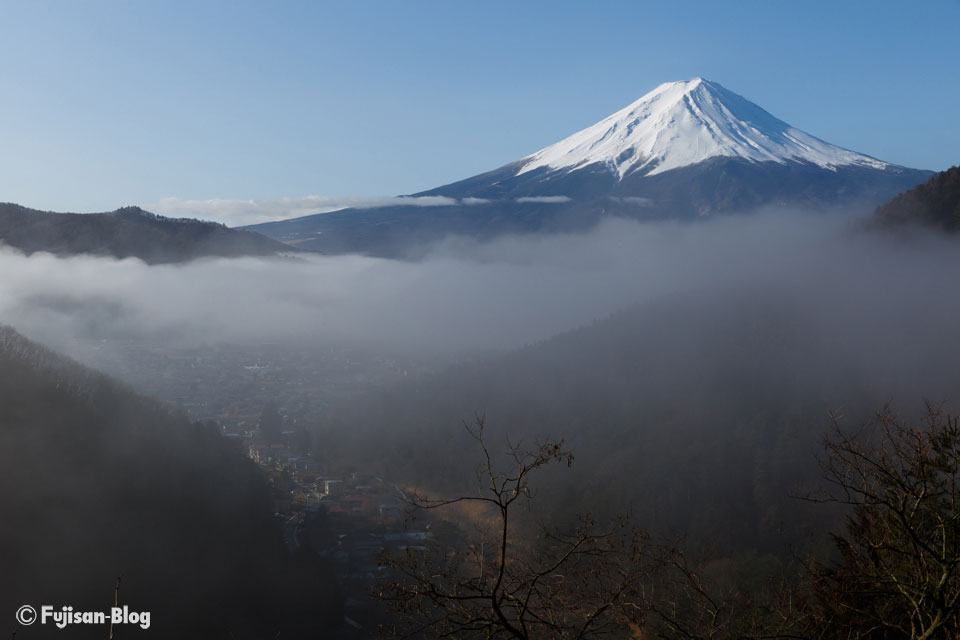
683 123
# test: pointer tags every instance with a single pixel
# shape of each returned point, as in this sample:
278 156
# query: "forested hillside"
935 203
100 483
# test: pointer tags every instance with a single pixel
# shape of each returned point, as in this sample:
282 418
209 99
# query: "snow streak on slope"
683 123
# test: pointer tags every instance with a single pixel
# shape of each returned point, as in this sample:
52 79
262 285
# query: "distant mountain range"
128 232
685 151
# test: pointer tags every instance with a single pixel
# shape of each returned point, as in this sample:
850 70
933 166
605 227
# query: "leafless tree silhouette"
580 583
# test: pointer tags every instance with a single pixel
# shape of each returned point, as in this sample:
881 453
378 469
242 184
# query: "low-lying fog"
888 294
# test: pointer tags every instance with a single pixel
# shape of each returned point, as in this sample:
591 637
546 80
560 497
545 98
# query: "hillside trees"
898 572
935 203
895 573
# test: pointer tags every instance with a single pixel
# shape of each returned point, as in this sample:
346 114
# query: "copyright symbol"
26 615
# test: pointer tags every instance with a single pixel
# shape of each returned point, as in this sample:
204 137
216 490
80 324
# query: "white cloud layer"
639 200
502 294
236 213
545 199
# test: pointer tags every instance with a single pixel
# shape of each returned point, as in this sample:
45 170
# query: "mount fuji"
686 150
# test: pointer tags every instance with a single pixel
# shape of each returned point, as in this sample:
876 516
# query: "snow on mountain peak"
683 123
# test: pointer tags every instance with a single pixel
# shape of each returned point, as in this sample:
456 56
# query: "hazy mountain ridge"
698 413
721 461
128 232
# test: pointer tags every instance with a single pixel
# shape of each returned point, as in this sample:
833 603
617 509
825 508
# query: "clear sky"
112 103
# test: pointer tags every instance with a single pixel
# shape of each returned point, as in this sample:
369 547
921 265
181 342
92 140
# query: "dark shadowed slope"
128 232
99 482
935 203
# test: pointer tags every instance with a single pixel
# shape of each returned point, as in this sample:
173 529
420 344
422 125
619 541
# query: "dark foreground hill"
99 482
935 203
128 232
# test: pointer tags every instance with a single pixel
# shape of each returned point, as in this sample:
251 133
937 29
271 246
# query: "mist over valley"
687 372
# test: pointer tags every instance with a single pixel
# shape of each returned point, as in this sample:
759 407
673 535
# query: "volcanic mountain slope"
683 151
100 482
128 232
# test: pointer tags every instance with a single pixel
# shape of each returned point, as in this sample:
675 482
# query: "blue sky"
113 103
